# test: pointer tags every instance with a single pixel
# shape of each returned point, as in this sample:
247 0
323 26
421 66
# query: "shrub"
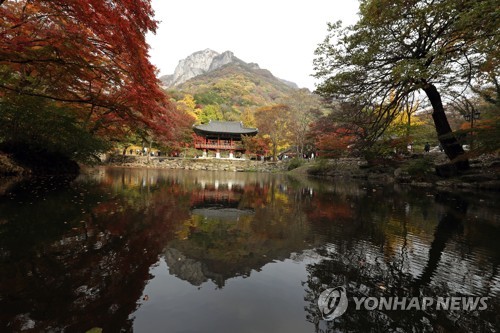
295 163
320 167
420 167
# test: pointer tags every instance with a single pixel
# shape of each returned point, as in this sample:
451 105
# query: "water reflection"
126 249
412 246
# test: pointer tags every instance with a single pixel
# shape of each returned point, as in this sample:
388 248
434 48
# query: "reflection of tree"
448 225
394 261
78 256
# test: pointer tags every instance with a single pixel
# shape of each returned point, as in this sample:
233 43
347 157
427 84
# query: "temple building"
218 136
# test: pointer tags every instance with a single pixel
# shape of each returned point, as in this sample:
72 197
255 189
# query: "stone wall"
211 164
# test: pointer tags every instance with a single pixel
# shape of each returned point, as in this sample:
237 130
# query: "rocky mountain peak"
221 60
198 63
203 62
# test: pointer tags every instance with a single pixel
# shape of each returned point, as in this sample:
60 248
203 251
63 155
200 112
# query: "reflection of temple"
232 232
219 200
220 136
216 194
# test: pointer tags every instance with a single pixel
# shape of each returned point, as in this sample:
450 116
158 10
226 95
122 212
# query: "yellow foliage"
188 105
404 120
247 118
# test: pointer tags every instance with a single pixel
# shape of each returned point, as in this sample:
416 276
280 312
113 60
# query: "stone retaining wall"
213 164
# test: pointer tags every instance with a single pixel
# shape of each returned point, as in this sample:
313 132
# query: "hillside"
237 84
225 84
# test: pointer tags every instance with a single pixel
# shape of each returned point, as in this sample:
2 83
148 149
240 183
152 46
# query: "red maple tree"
90 54
332 139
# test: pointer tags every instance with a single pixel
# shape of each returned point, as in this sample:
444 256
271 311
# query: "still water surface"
177 251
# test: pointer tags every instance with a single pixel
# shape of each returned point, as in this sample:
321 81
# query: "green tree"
401 46
210 112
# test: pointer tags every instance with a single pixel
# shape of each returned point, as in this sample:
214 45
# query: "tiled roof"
234 127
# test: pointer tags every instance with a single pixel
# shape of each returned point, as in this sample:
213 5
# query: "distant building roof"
229 127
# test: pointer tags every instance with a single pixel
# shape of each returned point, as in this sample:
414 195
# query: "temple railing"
221 146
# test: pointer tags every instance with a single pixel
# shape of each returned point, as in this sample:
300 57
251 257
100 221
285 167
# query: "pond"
148 250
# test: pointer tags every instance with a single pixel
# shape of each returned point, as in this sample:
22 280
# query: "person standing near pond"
427 147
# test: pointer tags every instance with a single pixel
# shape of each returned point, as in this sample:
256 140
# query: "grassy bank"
418 170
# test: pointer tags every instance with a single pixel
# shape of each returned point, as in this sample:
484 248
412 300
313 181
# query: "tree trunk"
449 142
149 151
408 126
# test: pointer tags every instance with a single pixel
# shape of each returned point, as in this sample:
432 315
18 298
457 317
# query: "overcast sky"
279 35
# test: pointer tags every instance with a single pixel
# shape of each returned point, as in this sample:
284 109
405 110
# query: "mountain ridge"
206 61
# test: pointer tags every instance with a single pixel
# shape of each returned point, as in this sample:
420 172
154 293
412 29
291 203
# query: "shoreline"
417 171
